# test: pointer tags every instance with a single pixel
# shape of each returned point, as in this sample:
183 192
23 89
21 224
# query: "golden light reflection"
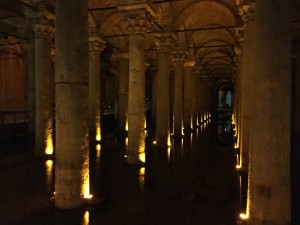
142 179
49 138
98 150
126 143
86 218
98 127
49 171
238 162
169 140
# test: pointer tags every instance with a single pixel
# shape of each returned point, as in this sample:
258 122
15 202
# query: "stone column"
164 42
247 12
43 31
270 143
154 98
71 80
96 45
31 99
187 95
138 17
123 72
295 154
178 59
194 99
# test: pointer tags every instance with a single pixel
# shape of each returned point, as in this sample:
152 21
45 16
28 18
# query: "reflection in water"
142 179
86 218
49 173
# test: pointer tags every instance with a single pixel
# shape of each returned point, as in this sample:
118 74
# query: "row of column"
263 110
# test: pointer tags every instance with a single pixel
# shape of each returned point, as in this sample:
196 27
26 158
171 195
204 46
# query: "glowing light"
169 141
142 171
86 218
243 216
142 156
98 126
126 125
85 174
142 179
154 142
49 139
98 150
126 143
49 171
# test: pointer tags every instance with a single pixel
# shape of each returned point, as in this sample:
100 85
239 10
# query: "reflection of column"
247 12
123 91
96 45
178 59
187 96
270 143
138 24
71 77
43 31
164 42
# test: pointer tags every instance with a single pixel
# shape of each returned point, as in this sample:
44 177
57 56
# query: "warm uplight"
243 216
154 142
49 139
169 141
49 171
85 173
142 156
98 149
86 218
142 171
98 127
126 126
126 143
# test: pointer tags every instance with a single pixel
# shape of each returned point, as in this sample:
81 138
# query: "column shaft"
163 99
123 80
270 144
44 101
72 139
187 104
178 101
247 84
136 98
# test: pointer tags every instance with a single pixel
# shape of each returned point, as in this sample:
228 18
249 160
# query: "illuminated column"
154 98
138 17
71 80
96 45
187 95
194 99
270 144
178 59
123 76
247 12
164 42
29 46
43 31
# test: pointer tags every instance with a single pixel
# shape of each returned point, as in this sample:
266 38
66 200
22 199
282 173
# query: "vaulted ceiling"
207 29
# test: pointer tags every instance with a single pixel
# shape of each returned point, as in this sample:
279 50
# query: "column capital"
44 27
96 45
165 41
190 62
246 10
138 13
178 58
121 54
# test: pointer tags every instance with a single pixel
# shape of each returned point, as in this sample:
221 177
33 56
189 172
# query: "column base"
134 161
